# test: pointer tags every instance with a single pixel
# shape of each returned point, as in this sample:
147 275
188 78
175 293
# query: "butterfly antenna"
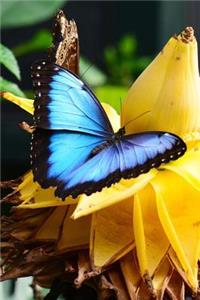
139 116
120 99
86 70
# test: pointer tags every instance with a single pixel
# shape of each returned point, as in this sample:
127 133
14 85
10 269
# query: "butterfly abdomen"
100 147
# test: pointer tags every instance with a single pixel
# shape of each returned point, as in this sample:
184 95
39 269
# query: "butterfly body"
74 146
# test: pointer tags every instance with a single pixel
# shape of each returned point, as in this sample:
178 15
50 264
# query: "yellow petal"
109 196
74 234
33 196
50 229
68 234
111 233
166 96
24 103
148 231
145 90
188 166
192 140
178 208
112 115
161 277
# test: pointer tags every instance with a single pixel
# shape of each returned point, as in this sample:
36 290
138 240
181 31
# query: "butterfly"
74 147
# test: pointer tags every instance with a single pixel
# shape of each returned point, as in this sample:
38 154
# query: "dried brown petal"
65 49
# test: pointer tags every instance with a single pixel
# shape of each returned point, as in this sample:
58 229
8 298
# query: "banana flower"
150 225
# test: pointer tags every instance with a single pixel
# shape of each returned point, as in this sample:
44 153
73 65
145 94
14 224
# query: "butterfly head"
119 134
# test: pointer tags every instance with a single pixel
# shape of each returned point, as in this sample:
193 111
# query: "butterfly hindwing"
127 157
64 102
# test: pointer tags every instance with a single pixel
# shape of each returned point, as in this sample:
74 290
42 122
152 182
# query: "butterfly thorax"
117 136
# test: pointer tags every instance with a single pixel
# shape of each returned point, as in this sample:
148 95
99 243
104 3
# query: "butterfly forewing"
64 102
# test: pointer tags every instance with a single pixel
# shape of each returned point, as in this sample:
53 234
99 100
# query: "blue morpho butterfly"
74 147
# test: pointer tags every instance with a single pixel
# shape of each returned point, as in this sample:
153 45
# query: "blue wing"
127 157
64 102
55 153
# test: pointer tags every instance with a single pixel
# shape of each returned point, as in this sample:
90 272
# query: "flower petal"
50 229
148 230
109 196
166 96
74 234
178 208
111 233
24 103
112 115
188 167
148 83
161 277
33 196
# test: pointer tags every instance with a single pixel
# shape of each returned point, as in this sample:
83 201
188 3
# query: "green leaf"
7 86
17 13
110 54
91 74
128 45
40 41
9 61
113 95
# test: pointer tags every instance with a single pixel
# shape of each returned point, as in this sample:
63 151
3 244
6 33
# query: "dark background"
100 24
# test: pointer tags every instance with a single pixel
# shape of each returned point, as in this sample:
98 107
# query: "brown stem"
187 35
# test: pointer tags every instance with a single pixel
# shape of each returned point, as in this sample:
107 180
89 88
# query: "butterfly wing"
59 152
127 157
143 151
64 102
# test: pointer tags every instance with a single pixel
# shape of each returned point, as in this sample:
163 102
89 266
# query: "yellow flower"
168 91
152 221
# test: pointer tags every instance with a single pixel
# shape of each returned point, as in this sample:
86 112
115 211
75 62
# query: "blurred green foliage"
123 63
8 86
112 94
39 42
91 74
16 13
8 60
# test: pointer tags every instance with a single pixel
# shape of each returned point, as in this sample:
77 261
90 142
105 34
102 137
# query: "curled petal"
32 195
178 209
148 230
188 167
166 96
24 103
109 196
